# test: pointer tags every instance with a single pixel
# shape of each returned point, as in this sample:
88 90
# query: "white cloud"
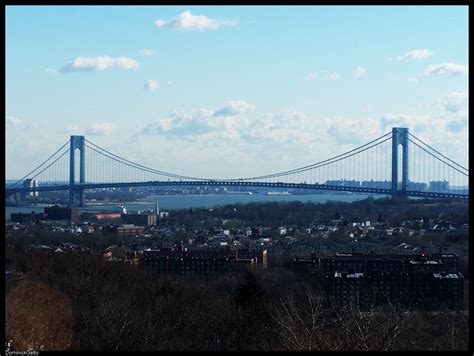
458 123
101 63
332 76
447 68
199 143
187 21
100 129
72 130
236 107
13 121
454 102
96 129
359 72
345 130
446 132
413 80
152 85
182 124
147 52
416 54
415 123
311 77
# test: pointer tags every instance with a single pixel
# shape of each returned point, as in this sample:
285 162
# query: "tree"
379 217
300 325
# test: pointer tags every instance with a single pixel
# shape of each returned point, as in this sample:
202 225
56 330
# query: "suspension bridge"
397 164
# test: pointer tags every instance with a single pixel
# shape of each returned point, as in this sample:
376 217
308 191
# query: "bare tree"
300 324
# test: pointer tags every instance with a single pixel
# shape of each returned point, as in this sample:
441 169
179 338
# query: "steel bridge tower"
399 137
77 143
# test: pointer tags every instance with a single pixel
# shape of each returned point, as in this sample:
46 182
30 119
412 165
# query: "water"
168 202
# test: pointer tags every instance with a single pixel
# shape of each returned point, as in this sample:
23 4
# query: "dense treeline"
77 301
300 213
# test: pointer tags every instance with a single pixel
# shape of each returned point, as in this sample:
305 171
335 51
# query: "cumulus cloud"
416 54
152 85
100 63
454 102
237 107
344 130
187 21
181 124
100 129
147 52
418 123
359 72
256 144
445 132
332 76
458 123
311 77
13 121
447 68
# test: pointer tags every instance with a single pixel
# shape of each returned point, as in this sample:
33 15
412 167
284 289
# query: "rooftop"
348 275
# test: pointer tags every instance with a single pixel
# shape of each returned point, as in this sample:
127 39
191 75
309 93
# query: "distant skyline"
231 91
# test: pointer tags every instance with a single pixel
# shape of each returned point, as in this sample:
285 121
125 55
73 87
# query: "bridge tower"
399 137
77 143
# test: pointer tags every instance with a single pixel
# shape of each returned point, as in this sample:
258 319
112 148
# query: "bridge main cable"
457 164
327 161
439 159
43 163
296 170
122 160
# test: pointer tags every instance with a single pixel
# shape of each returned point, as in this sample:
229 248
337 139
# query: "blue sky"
232 91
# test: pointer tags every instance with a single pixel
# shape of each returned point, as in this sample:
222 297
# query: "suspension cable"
457 164
138 166
323 163
439 159
57 159
316 165
44 162
305 168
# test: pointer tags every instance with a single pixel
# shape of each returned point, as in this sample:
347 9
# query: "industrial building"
25 217
57 212
127 230
140 219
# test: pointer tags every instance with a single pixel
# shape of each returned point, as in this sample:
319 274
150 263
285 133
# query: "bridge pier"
399 137
76 143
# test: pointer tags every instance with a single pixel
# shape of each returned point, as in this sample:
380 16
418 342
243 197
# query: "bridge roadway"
316 186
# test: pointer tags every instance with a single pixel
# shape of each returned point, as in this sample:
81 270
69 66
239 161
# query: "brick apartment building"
421 289
429 281
205 262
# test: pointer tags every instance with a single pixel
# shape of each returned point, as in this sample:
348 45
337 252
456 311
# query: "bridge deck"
84 186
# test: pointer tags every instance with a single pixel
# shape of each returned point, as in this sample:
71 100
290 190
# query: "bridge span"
397 163
316 186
